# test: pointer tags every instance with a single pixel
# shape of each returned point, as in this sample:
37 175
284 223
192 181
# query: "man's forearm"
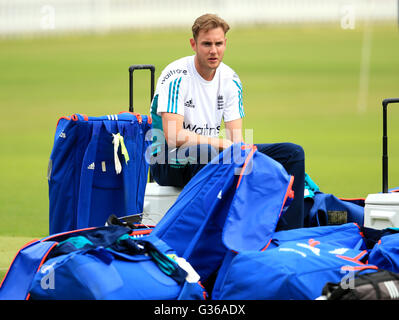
177 136
188 138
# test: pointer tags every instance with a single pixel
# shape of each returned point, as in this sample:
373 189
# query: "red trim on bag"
66 118
352 199
140 232
355 259
74 117
204 294
268 244
253 149
360 229
357 268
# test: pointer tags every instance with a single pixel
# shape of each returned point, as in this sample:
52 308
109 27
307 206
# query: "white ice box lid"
391 198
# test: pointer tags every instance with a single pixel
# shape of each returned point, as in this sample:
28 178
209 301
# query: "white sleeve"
234 107
171 95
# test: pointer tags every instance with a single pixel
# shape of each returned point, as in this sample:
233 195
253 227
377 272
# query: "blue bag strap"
130 171
110 126
142 170
130 180
86 178
135 173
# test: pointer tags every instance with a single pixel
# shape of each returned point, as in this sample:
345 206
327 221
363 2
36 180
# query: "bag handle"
129 169
140 67
86 178
385 103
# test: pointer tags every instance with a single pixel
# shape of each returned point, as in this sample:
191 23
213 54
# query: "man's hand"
176 135
225 143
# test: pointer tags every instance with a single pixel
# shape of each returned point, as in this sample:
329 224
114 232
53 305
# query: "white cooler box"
157 201
382 211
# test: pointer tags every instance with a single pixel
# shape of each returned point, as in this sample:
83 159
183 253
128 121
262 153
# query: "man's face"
209 48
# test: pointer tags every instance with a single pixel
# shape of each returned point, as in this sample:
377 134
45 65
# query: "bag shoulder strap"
86 178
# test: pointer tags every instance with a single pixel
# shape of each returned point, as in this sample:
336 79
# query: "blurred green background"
301 84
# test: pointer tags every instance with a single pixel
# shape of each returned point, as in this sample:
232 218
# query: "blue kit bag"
227 205
349 235
323 209
296 265
327 209
97 168
385 252
111 262
145 270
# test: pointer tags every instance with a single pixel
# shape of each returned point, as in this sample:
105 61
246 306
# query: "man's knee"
296 151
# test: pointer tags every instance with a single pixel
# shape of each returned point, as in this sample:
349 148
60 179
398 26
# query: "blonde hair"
207 22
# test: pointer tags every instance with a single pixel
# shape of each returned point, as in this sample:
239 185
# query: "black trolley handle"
131 70
385 103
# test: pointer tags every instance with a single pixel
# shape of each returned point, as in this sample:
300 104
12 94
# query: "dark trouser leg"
292 157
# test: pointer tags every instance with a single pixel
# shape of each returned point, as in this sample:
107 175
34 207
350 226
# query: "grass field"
301 84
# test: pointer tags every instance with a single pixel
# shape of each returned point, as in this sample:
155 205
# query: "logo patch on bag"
337 217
